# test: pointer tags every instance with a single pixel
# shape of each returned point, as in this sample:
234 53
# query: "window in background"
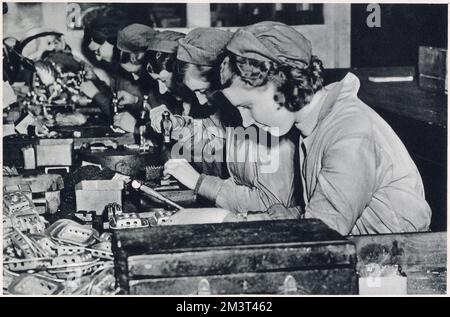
241 14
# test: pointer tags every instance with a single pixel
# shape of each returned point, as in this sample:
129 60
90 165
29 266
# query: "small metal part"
28 220
153 172
128 221
113 210
160 217
63 260
16 201
85 216
25 265
29 284
68 231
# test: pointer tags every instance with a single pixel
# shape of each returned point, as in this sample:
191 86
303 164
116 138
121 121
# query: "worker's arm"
264 179
345 183
228 194
103 97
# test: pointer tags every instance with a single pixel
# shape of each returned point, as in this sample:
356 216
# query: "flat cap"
135 38
202 46
272 41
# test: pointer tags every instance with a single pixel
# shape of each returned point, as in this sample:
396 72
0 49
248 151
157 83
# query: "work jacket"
260 176
358 177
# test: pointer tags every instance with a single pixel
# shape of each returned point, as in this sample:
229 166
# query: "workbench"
420 120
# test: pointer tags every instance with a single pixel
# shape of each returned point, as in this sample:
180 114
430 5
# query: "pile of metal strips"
63 258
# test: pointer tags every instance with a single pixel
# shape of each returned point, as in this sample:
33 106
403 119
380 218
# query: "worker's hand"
156 117
125 98
182 171
125 121
89 89
278 211
80 100
90 74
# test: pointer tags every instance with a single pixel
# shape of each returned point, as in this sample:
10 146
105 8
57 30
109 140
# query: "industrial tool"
153 193
166 131
143 122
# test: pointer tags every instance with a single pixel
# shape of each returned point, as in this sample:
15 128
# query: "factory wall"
331 41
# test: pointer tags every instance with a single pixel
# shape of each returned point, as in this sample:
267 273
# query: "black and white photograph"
215 149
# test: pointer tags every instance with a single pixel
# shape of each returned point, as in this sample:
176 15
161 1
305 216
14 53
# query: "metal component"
16 201
153 172
166 128
111 211
160 217
103 283
26 265
34 285
10 170
128 221
115 103
101 250
143 122
63 260
69 249
28 220
85 216
68 231
151 192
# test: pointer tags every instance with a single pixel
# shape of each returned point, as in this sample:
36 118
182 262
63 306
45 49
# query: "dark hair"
208 73
295 86
159 61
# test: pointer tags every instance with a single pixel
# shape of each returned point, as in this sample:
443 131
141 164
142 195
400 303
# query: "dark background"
403 28
396 43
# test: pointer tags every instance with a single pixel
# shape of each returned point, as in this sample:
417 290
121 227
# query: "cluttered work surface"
90 213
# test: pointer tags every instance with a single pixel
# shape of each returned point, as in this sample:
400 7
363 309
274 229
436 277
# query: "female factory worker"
357 175
249 188
115 46
162 51
161 56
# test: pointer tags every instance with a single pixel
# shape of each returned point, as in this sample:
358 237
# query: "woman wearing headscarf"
161 57
249 188
120 50
358 177
162 53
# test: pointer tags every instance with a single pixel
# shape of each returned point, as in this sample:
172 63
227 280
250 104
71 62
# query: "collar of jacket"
324 101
